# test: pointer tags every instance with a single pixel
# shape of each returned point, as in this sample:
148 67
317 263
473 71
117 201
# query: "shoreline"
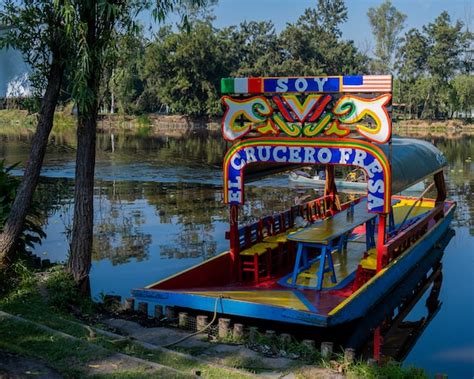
179 125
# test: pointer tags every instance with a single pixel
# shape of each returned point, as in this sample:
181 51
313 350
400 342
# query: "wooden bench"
263 246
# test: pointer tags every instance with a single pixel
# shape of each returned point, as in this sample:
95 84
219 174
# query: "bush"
19 268
32 232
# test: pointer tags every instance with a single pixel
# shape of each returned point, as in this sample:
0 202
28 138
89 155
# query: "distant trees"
387 23
178 69
435 79
182 68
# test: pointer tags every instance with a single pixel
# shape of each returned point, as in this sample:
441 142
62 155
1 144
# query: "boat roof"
412 160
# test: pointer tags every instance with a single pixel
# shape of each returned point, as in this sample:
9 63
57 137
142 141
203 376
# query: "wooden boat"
302 178
321 263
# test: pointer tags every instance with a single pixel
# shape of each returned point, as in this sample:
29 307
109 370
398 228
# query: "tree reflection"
181 214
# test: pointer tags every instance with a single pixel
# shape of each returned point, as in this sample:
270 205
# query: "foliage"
38 34
249 49
31 234
63 293
387 23
142 75
431 63
389 370
328 53
32 231
185 69
125 82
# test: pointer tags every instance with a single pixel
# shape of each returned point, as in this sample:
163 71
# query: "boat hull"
352 308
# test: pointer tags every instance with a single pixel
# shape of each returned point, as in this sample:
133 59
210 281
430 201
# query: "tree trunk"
15 222
79 262
99 28
80 257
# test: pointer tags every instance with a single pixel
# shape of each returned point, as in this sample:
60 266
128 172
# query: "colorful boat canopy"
308 107
305 151
307 84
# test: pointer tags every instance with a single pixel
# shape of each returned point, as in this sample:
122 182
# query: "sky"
419 13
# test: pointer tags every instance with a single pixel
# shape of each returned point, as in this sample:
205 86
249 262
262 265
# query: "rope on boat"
414 204
199 331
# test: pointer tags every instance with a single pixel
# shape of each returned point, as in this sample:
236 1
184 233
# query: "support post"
334 204
440 187
201 323
381 240
183 320
326 350
377 343
234 241
223 328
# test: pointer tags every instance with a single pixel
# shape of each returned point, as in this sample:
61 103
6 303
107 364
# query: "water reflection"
158 210
394 326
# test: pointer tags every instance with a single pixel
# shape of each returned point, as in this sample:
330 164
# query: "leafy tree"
428 62
445 43
126 84
73 35
251 49
313 46
412 56
31 232
185 68
387 23
91 25
40 35
463 94
412 68
445 46
331 14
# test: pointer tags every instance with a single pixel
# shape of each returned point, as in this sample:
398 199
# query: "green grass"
389 371
27 302
62 354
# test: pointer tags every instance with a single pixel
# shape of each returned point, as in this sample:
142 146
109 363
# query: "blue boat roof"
412 160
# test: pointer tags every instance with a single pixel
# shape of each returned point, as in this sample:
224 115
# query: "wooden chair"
256 256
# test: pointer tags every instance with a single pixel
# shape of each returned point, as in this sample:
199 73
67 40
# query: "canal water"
158 210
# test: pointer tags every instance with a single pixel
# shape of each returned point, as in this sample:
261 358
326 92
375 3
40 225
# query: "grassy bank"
57 326
18 121
86 349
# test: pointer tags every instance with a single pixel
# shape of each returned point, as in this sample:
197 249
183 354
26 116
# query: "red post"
377 343
381 240
234 241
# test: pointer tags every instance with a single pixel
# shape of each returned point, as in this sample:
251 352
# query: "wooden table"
324 234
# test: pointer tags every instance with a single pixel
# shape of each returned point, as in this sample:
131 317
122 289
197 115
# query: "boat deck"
278 292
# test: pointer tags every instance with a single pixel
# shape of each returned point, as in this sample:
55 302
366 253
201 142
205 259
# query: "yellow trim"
188 269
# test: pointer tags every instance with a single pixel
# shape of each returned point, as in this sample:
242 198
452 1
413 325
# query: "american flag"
367 83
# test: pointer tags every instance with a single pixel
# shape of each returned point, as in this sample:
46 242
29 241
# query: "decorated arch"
327 151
